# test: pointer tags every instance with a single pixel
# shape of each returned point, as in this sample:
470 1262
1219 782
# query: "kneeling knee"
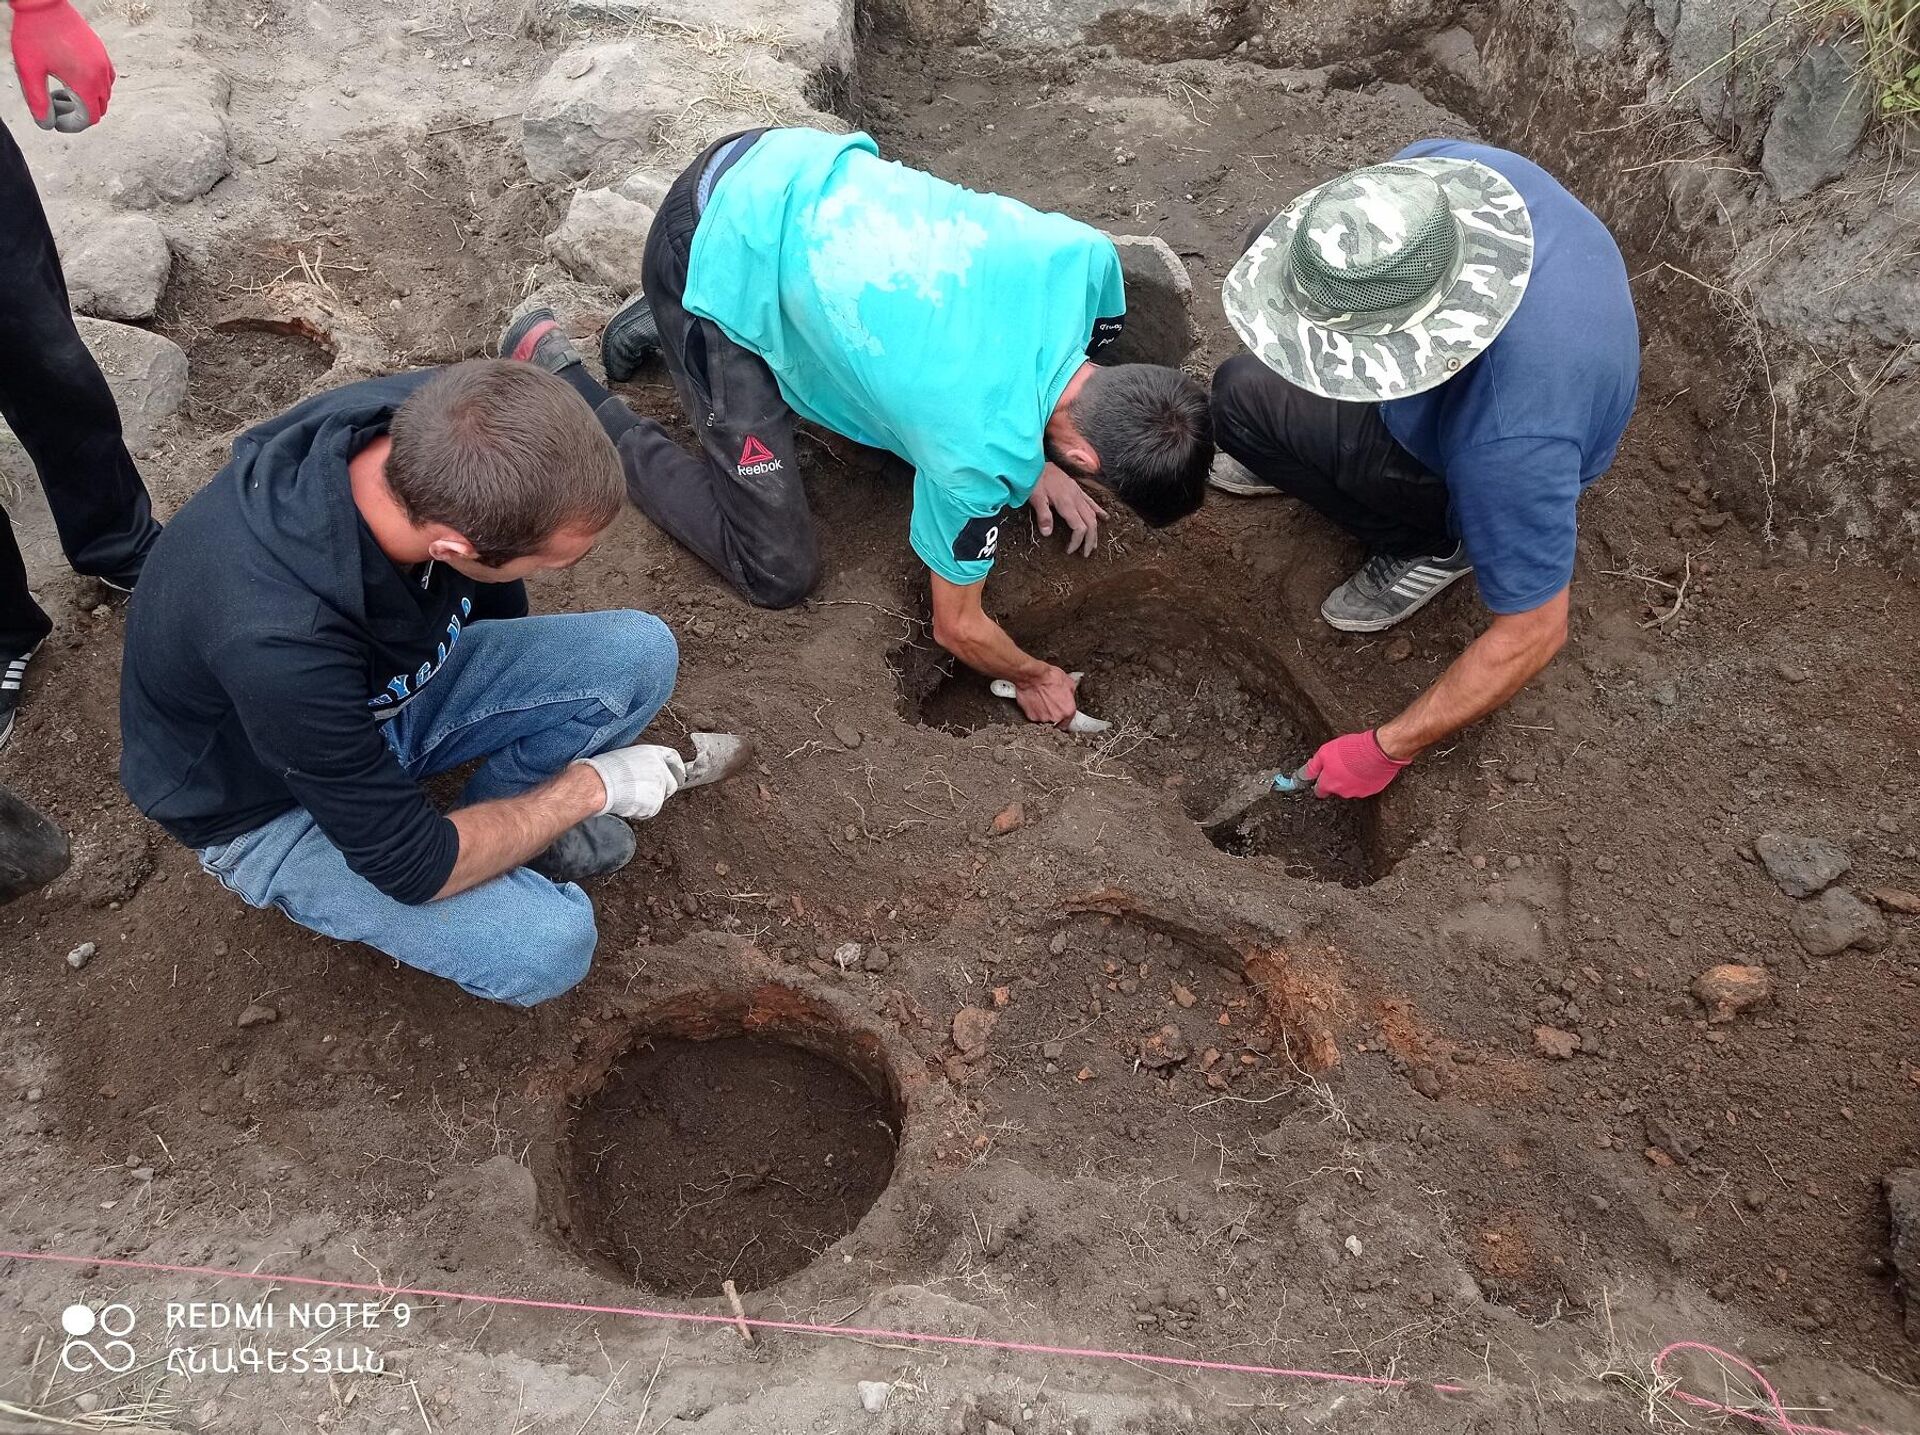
555 957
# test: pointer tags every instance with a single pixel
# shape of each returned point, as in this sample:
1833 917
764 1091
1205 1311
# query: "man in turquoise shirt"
792 274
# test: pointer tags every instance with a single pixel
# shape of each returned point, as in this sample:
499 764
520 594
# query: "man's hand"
1058 492
1049 696
638 779
1352 766
50 39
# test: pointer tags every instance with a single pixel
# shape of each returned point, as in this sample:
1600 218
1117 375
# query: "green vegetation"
1889 36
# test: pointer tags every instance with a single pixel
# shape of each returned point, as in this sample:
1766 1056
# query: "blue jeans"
527 695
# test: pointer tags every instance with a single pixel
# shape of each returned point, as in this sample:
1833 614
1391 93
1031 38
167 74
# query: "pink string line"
1778 1418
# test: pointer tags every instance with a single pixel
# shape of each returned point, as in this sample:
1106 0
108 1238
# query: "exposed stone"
602 239
1817 122
1837 920
1599 26
1166 1047
972 1026
146 371
1555 1044
645 186
258 1014
1801 865
1009 818
167 140
873 1395
116 265
1159 327
1894 899
598 103
1454 51
81 955
1730 988
1902 1187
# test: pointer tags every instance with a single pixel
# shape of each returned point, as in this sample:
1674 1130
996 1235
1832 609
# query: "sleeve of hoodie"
307 720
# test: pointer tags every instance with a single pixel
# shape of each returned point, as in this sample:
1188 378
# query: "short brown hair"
504 454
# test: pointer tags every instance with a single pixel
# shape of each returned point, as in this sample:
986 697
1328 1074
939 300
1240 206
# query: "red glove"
1352 766
50 39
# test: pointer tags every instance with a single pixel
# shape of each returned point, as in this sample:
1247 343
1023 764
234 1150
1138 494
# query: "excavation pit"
725 1143
1198 700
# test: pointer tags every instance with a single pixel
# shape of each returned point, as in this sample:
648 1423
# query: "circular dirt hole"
705 1156
1198 701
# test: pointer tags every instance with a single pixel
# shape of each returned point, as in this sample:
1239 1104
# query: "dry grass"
1889 36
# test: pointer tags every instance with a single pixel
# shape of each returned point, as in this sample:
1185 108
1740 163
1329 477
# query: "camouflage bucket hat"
1385 281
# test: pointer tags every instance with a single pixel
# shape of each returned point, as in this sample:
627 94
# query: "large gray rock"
1801 865
1718 49
1455 51
116 265
1902 1187
645 186
147 372
1817 122
1599 26
597 104
1159 328
1837 920
166 138
602 239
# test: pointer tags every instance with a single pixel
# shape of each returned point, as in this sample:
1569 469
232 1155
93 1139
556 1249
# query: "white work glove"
639 779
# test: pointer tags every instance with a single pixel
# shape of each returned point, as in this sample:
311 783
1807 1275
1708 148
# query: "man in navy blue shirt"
1443 356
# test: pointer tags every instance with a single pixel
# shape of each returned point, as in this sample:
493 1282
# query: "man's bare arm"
962 626
1498 663
497 836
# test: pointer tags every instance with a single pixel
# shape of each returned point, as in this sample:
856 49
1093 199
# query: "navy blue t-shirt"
1524 428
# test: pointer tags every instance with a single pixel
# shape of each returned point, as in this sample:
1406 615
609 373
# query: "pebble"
1059 943
846 956
1009 818
1555 1044
972 1026
878 960
1183 995
142 1174
81 955
259 1014
873 1395
1353 1246
1426 1081
1730 988
1053 1050
1399 650
34 1094
847 735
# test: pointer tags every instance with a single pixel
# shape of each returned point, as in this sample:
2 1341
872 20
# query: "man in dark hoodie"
309 641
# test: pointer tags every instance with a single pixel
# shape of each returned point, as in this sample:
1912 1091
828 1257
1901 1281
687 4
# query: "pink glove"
50 39
1352 766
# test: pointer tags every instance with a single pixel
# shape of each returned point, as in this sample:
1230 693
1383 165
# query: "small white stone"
81 955
1353 1245
873 1395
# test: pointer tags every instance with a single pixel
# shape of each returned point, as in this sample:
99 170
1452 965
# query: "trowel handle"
1287 784
1081 724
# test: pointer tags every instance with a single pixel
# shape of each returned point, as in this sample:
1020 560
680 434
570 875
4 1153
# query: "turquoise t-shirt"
908 314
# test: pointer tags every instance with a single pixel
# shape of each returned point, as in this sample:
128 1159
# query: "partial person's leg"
22 623
530 695
518 939
55 399
1338 458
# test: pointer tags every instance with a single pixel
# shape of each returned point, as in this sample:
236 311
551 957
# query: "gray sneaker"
596 847
1229 475
1385 590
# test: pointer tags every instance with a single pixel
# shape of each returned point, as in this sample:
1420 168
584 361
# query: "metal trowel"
1241 800
1080 724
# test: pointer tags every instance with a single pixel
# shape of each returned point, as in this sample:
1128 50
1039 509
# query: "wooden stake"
739 1311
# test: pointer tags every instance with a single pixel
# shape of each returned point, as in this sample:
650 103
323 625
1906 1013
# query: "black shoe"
629 340
536 338
13 679
596 847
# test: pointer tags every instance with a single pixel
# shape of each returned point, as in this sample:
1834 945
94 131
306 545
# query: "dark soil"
733 1159
1199 699
1431 1192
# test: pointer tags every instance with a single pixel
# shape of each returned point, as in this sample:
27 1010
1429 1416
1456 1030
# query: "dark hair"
504 454
1153 430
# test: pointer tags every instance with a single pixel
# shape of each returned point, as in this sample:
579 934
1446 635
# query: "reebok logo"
756 458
